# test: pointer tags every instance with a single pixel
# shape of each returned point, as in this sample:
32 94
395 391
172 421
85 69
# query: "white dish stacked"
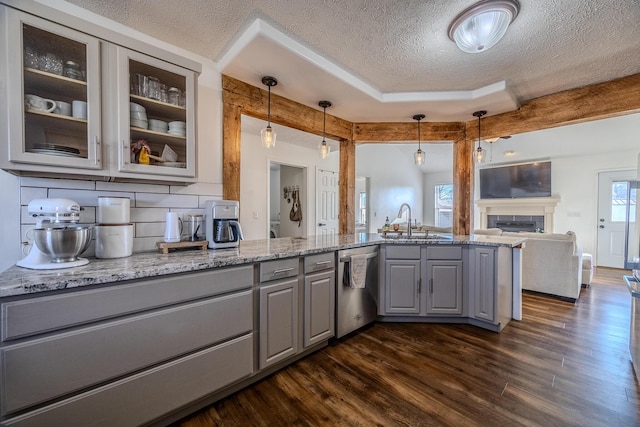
138 116
113 232
178 128
158 125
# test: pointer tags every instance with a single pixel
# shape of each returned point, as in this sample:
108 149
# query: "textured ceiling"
388 59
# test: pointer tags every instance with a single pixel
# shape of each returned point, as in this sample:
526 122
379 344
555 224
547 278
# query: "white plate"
175 133
53 152
173 164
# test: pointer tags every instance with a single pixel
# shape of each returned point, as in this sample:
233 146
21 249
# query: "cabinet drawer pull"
323 263
282 270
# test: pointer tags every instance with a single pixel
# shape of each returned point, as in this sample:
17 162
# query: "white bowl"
177 133
136 107
140 115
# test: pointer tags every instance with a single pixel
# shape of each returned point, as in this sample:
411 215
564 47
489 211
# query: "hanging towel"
358 271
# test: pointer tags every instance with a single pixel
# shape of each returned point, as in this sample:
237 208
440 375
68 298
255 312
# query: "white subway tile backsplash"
57 183
149 229
166 200
149 204
27 194
148 214
131 187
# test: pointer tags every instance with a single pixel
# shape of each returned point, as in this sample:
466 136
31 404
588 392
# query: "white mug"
79 109
63 108
37 103
173 228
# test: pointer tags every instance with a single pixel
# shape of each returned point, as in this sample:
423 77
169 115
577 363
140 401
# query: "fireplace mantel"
544 206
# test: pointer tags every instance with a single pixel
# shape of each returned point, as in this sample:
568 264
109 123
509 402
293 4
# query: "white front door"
327 203
612 214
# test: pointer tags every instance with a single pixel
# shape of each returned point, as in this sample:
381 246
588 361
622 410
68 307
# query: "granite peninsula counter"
20 281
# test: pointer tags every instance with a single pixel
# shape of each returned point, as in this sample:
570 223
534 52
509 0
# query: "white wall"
430 181
274 189
394 180
254 185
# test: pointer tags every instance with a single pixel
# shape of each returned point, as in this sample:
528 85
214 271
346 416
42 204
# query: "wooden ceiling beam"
598 101
400 132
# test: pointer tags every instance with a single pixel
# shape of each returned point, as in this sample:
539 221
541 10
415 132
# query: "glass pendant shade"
324 149
268 137
483 25
419 156
480 154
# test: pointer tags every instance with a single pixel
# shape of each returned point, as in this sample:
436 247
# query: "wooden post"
347 183
231 140
463 171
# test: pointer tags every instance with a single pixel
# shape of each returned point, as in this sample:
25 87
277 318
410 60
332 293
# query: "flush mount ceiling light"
419 155
323 147
268 135
482 25
480 152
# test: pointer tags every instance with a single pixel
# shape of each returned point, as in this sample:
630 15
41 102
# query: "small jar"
72 70
164 95
174 96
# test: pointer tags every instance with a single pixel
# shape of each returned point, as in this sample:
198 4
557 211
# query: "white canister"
113 241
173 228
113 210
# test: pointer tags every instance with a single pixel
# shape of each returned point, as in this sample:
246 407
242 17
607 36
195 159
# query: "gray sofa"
551 263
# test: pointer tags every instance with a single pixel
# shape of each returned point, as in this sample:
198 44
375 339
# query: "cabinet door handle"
431 285
282 270
96 146
125 152
420 285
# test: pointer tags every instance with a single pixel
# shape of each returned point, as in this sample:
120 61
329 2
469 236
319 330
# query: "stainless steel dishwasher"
356 307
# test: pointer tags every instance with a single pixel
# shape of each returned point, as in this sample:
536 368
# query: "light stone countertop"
21 281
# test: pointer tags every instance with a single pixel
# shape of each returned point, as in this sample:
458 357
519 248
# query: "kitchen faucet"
402 206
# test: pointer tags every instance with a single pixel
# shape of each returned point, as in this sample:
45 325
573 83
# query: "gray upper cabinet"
41 131
66 103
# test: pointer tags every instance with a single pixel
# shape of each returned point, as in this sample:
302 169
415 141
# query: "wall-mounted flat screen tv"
523 180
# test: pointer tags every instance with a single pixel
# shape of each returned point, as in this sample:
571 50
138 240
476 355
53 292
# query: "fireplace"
521 214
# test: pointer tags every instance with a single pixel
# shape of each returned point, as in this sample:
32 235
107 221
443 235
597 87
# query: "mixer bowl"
62 244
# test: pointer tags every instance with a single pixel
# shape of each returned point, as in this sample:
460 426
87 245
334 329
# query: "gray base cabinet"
483 284
278 322
402 294
125 354
319 307
445 288
491 286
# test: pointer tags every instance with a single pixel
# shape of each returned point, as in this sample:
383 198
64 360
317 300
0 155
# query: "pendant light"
419 155
268 135
482 25
480 152
323 148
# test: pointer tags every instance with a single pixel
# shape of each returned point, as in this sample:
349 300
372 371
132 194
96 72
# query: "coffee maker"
222 228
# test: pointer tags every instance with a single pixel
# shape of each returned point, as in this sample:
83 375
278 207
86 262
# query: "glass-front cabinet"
156 115
82 105
53 94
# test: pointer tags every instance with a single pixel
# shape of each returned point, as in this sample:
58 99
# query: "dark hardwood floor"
562 365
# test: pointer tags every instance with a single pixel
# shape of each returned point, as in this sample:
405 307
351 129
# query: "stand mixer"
59 215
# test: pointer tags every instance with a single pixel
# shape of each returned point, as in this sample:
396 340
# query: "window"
362 208
619 202
443 205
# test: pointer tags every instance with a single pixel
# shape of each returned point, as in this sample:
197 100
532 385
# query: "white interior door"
612 211
327 203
